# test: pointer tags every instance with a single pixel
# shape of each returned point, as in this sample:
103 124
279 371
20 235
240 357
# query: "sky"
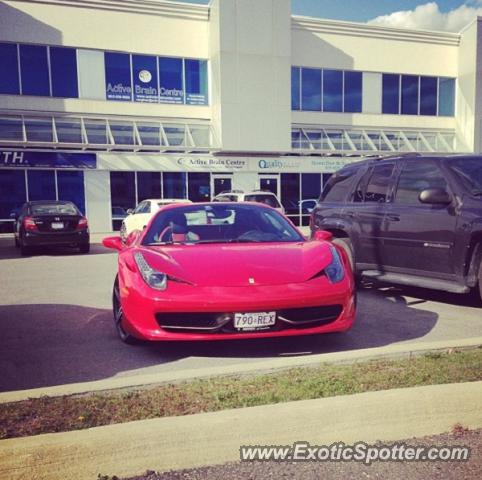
443 15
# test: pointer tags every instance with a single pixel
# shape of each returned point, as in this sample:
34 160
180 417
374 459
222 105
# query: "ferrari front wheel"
119 316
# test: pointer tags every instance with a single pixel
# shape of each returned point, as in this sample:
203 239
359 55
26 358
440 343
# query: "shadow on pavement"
52 344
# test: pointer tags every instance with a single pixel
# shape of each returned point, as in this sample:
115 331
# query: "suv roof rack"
398 155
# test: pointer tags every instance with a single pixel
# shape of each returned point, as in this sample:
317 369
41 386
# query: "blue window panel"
295 88
428 95
34 70
148 185
144 72
12 192
390 93
352 99
71 188
196 74
63 72
9 82
171 88
118 76
332 91
409 95
446 97
41 184
174 184
311 89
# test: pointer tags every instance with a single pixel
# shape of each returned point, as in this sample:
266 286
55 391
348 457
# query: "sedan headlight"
335 270
153 278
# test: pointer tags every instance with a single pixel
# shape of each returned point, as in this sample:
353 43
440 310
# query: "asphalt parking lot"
57 327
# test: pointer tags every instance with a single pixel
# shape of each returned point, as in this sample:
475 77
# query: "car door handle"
393 217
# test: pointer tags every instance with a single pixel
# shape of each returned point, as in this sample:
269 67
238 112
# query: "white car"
260 196
138 218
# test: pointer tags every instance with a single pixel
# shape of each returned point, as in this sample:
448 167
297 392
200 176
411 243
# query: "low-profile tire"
345 244
84 248
119 316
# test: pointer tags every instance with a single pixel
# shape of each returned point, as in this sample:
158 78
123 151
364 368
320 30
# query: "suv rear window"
263 198
338 186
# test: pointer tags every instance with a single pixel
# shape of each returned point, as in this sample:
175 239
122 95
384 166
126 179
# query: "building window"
409 95
171 80
148 185
70 186
41 185
199 187
12 192
446 97
290 195
63 71
9 81
118 76
332 91
391 93
352 92
196 82
35 70
144 73
295 88
174 184
311 89
428 95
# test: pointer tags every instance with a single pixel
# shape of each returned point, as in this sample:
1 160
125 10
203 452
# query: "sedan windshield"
220 223
470 172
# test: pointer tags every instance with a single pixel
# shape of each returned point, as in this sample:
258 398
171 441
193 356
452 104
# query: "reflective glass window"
41 184
378 186
390 93
428 95
34 70
118 76
295 88
122 132
352 98
11 128
144 73
63 72
149 133
174 184
196 74
9 81
415 177
123 189
12 192
39 129
171 88
310 89
409 94
446 96
290 193
332 91
96 131
199 186
176 135
337 187
71 188
148 185
69 130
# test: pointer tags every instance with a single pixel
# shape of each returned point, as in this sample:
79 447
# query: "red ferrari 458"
213 271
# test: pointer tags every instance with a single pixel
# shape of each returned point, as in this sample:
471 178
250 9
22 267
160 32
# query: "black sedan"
51 223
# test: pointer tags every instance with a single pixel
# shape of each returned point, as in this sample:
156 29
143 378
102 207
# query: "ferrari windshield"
220 223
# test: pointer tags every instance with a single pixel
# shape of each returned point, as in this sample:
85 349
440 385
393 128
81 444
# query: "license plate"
57 225
254 321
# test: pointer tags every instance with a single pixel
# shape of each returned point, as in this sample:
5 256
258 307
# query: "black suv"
411 220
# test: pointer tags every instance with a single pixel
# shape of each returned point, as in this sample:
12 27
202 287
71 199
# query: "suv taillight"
29 224
82 225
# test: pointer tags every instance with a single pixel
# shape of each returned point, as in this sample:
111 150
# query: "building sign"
213 164
144 74
118 76
171 87
47 160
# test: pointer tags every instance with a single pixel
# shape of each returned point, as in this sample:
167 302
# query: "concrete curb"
263 366
214 438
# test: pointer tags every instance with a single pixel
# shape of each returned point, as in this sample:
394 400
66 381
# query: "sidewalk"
214 438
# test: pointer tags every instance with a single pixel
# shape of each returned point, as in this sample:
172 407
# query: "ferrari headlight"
153 278
335 270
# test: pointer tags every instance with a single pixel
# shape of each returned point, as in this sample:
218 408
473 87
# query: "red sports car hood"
239 265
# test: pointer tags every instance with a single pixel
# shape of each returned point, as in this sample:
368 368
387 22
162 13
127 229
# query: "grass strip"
59 414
